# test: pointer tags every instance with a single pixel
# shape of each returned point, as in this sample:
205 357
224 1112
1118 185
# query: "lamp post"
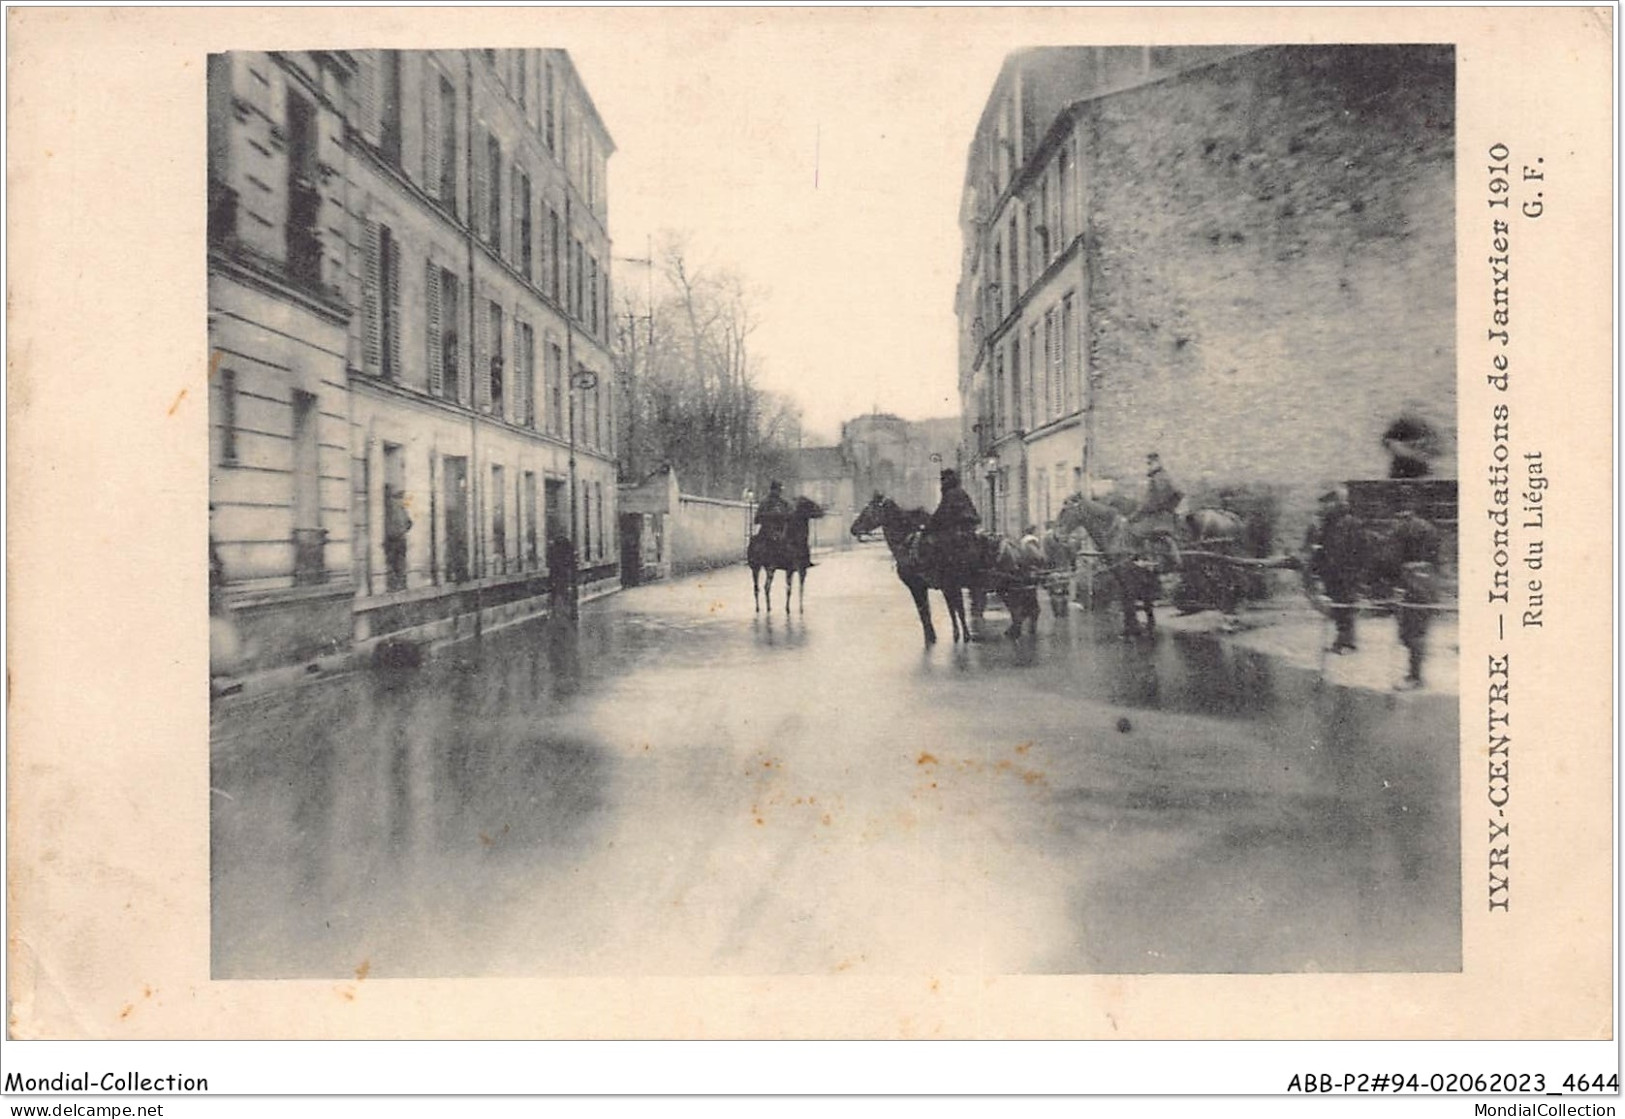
584 380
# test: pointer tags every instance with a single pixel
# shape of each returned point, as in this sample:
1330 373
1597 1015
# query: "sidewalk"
1297 634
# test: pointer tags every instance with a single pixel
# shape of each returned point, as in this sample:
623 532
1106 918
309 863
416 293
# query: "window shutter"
482 353
371 320
431 132
431 332
482 195
526 336
392 292
367 95
516 206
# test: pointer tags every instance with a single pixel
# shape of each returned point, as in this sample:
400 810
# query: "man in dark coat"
397 523
955 514
1337 557
561 576
1417 542
773 513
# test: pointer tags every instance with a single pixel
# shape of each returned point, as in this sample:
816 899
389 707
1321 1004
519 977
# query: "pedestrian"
397 523
1337 558
1417 543
561 576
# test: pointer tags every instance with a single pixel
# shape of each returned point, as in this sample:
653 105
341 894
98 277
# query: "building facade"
434 352
1242 258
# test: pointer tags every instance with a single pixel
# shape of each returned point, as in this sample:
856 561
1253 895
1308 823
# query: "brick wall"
1271 265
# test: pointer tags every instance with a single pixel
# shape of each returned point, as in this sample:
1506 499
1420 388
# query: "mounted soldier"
773 513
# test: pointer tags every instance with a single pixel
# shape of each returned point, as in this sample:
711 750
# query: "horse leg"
922 603
956 612
770 574
801 597
756 586
789 586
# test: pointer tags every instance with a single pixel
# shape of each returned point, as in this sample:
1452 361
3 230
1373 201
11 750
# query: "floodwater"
685 787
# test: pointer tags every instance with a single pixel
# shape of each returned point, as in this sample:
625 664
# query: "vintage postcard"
961 524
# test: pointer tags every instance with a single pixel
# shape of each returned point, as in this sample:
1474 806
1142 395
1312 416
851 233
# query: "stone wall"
1271 263
706 532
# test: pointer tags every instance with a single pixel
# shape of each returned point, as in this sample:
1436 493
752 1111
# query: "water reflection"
638 792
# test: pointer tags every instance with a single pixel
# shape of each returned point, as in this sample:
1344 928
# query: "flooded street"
684 787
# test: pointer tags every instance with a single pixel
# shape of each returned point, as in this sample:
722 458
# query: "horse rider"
773 514
951 529
1418 544
1162 497
1337 557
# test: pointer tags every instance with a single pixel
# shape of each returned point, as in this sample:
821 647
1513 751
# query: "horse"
1134 559
1139 551
785 547
922 566
1015 576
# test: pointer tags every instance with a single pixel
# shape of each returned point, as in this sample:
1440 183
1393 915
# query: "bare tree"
689 383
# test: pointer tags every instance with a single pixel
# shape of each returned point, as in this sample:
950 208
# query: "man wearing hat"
1337 558
955 514
774 512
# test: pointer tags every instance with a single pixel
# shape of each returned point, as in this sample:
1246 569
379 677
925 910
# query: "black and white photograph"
1021 541
1077 535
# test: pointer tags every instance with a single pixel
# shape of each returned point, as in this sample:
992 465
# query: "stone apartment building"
409 318
1242 258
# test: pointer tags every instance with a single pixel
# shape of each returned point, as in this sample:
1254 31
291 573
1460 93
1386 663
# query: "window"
553 254
524 345
494 385
1069 371
592 272
998 281
390 142
578 278
524 78
1038 382
304 243
389 252
397 517
521 206
493 184
998 394
548 126
527 499
1015 261
1042 230
499 521
448 145
228 417
555 387
1052 354
309 538
1017 421
1063 176
445 368
598 488
380 302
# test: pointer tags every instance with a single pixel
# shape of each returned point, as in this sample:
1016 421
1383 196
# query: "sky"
822 157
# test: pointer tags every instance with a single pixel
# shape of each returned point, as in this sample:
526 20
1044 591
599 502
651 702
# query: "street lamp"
585 380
